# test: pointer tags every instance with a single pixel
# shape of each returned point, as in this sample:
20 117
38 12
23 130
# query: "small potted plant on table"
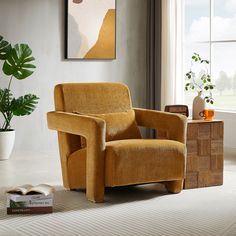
202 84
17 64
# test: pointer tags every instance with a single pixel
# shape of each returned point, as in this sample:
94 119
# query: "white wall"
41 25
229 130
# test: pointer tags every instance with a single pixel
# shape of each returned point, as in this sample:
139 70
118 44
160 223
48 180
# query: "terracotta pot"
7 139
198 106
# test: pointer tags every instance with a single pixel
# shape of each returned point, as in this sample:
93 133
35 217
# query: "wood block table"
204 165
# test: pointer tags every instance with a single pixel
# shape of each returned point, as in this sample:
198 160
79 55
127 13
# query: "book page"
41 188
27 198
23 189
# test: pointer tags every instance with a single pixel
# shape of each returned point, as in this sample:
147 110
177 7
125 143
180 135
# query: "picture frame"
90 29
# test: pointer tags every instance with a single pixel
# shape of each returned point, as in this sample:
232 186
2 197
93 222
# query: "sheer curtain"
172 81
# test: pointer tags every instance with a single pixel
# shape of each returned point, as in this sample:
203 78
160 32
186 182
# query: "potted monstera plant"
17 63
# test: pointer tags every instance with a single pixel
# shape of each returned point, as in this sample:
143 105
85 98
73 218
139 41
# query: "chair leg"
95 195
174 186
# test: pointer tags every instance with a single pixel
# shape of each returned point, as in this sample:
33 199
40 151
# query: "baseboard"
230 150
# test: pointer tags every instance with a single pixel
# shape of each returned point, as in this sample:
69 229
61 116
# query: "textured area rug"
140 210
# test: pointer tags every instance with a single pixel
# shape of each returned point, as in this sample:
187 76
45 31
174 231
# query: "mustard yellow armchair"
101 145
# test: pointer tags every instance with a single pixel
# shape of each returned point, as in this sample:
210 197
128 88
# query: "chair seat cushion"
135 161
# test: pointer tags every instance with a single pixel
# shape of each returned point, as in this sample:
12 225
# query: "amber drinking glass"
208 114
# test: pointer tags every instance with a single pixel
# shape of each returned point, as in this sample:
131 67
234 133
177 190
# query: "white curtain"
172 81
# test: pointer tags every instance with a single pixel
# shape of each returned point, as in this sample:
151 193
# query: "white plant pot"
7 139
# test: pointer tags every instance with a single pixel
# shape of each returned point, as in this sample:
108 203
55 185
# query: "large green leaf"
5 100
5 47
24 105
18 61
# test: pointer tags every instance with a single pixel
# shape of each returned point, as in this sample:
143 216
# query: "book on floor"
28 199
27 189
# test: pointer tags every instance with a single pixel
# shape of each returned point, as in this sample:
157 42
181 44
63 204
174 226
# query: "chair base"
175 186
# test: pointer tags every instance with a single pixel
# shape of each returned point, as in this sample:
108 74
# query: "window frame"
210 43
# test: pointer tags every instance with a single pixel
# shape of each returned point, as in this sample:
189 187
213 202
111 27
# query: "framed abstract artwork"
90 29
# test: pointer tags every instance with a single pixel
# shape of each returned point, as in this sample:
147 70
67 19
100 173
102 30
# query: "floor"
30 167
142 210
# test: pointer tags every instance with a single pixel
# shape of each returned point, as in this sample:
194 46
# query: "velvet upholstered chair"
101 145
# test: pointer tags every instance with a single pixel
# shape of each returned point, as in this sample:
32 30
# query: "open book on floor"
30 199
29 189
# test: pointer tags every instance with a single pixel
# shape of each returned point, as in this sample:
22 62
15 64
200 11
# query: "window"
210 30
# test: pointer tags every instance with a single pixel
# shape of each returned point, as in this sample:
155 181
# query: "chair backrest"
93 98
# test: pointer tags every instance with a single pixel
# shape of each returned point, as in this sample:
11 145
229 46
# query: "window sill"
219 111
225 111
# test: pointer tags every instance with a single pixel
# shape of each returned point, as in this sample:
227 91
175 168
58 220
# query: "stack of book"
28 199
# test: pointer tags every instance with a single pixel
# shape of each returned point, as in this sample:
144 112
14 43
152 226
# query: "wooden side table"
204 154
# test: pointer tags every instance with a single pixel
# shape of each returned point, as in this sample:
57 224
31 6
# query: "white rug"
134 211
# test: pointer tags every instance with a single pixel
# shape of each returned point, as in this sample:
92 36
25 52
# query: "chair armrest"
74 123
93 129
174 124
